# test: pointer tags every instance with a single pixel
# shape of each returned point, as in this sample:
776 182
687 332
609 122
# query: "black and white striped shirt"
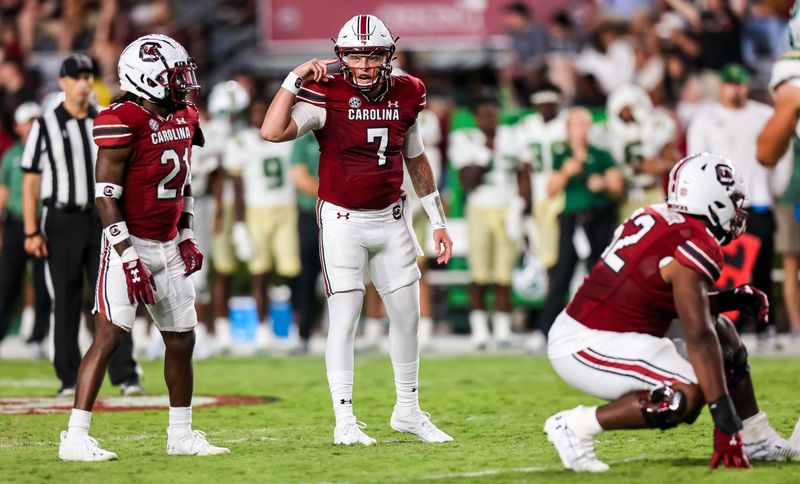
60 147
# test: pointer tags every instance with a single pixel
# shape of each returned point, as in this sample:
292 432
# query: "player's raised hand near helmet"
315 69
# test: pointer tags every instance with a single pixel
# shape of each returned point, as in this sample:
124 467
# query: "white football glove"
241 242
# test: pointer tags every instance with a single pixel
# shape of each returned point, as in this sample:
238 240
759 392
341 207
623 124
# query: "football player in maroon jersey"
365 121
144 199
609 342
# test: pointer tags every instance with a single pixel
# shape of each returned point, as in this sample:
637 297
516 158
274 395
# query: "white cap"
27 111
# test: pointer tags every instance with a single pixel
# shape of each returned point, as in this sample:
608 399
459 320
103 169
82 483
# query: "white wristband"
188 205
116 232
129 255
292 82
186 234
107 190
432 203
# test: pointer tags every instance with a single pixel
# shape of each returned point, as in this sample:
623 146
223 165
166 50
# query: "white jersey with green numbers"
539 142
264 168
499 184
629 143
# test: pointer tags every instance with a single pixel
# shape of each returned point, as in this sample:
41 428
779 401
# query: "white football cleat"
773 447
82 449
576 452
419 423
795 439
194 443
350 431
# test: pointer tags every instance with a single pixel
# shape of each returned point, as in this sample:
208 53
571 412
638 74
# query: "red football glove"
141 284
191 255
728 449
753 302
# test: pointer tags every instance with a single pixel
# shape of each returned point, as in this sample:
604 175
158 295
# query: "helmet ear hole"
151 83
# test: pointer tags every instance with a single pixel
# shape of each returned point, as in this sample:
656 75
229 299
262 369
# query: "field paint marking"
28 383
484 472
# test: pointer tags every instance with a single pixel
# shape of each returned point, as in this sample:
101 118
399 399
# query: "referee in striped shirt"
58 164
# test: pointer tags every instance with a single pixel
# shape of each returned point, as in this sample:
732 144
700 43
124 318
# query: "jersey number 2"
382 135
610 256
171 156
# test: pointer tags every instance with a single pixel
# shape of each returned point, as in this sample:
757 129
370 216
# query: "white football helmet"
709 185
158 69
228 97
632 96
365 34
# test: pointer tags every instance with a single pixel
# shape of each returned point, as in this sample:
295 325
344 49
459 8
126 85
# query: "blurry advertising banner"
301 24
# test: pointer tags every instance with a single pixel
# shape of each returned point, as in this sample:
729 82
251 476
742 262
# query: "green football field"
494 406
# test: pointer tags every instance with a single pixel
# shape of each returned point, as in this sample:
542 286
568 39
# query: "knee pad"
662 407
737 367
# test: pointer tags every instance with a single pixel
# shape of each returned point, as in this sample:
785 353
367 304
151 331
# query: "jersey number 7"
382 136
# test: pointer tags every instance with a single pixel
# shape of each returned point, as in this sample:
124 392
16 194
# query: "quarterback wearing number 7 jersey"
365 120
609 342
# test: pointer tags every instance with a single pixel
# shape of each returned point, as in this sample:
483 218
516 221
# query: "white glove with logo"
241 242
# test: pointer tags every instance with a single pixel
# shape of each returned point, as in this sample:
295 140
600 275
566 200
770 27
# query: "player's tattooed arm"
110 168
419 169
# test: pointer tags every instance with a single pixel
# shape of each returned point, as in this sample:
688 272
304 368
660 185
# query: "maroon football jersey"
361 143
625 292
155 176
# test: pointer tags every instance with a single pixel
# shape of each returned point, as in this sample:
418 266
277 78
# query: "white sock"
344 309
756 428
180 420
583 421
373 328
479 325
79 421
406 382
425 330
795 439
341 386
502 326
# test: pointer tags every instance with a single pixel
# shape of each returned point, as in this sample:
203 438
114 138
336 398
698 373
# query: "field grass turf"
494 406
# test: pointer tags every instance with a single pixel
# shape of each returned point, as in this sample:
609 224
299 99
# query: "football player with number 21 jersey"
609 342
143 195
365 120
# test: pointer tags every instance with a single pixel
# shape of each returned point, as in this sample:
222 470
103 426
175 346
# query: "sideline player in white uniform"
542 135
497 187
640 138
227 105
261 176
365 122
144 198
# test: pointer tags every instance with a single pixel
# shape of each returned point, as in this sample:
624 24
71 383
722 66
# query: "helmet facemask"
384 69
181 84
737 224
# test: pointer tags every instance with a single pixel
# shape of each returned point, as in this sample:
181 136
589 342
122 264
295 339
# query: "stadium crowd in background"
648 71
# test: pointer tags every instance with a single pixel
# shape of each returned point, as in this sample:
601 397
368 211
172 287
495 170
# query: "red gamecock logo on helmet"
149 52
725 175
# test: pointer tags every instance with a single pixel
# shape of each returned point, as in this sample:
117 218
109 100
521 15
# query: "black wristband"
34 234
724 415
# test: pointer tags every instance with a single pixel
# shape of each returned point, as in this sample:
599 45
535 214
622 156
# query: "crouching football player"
609 342
144 200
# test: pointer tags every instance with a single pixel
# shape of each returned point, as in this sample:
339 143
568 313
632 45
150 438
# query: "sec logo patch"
154 125
355 102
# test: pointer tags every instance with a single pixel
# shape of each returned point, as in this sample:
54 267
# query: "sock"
479 325
79 422
344 309
583 421
425 330
502 326
406 384
795 439
755 428
373 329
180 420
341 386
